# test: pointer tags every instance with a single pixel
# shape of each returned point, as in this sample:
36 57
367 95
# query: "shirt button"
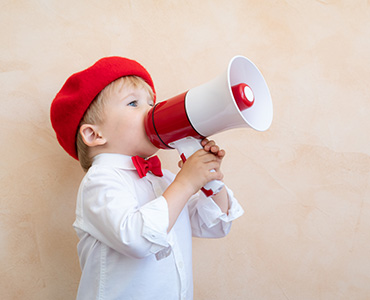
181 264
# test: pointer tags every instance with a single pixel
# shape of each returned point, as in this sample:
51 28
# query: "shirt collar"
114 160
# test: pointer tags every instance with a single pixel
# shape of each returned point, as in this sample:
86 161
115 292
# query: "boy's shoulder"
106 175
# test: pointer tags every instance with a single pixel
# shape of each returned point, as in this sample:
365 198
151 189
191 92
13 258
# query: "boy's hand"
194 174
196 171
211 146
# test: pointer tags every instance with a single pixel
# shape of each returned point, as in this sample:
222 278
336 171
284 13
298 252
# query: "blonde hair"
95 113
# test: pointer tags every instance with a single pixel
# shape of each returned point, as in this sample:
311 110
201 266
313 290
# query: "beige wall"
304 184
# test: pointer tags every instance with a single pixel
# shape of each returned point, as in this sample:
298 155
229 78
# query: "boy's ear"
91 135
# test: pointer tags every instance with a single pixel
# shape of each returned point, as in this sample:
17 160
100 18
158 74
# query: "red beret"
72 101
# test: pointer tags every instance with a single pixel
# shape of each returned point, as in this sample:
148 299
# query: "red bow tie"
143 166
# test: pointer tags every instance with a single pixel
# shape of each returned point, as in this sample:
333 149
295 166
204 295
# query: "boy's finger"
204 142
221 153
208 146
214 149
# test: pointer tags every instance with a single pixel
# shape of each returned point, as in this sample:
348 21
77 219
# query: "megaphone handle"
186 147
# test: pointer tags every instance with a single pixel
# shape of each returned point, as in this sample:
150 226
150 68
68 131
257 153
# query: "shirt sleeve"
108 209
207 219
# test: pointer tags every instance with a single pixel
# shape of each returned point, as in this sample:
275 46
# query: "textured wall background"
304 184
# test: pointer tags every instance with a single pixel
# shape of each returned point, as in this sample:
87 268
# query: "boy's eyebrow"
128 95
133 94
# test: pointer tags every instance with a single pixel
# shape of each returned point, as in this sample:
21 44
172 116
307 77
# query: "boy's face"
123 126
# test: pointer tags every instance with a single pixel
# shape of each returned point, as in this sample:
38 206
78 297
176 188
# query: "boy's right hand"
194 174
196 171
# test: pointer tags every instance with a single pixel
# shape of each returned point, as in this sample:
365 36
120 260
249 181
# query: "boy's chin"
147 153
150 154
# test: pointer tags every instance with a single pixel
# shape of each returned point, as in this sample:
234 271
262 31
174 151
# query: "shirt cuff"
155 223
211 214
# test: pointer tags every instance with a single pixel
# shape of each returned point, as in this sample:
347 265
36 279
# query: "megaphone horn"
237 98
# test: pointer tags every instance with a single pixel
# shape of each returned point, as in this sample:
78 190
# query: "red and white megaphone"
237 98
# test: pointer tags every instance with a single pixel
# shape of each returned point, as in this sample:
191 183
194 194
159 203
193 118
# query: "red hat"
72 101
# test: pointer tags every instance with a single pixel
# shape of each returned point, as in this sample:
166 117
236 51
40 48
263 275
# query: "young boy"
135 228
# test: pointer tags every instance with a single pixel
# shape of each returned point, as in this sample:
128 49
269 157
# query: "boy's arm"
222 200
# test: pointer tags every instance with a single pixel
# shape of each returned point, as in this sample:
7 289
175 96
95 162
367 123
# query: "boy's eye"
133 103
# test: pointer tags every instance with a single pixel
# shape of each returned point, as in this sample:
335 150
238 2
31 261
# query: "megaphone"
237 98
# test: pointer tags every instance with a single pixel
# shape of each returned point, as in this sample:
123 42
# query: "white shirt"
125 251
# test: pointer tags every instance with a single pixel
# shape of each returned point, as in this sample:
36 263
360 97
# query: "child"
135 228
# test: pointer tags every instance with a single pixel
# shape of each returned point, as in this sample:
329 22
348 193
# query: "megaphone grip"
186 147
